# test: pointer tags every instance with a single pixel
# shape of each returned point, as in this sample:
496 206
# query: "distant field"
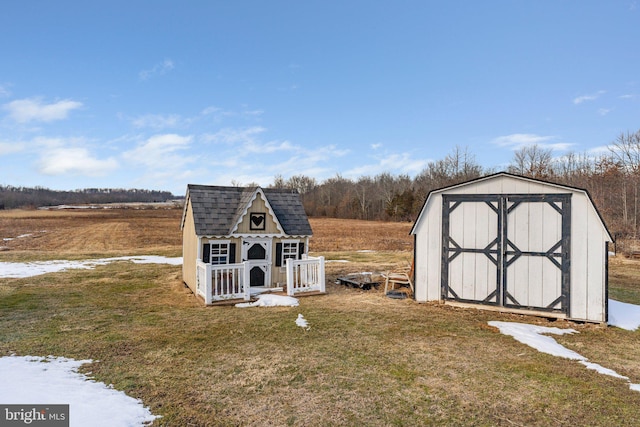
367 360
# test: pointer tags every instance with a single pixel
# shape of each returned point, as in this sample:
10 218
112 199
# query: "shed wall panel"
428 252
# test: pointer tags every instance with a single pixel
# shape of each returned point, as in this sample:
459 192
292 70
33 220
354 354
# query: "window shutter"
206 253
232 253
278 254
300 250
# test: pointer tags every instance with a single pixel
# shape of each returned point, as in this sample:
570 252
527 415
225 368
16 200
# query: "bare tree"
626 149
533 161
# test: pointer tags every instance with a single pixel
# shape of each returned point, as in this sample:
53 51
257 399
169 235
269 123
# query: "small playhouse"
511 243
240 241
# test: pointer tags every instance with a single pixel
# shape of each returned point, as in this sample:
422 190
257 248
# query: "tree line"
26 197
612 178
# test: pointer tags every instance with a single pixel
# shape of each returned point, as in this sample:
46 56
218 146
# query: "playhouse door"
258 253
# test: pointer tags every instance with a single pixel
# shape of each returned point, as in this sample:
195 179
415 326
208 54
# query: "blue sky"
159 94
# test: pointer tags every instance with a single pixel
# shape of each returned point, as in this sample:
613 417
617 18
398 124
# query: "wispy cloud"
396 163
158 121
602 149
10 147
235 136
517 141
74 161
159 69
604 111
4 91
242 155
589 97
376 146
161 152
35 110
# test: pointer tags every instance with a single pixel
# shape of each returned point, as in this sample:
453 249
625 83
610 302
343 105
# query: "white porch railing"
231 281
305 275
222 282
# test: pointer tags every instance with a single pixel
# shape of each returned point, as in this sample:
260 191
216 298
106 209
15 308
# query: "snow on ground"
269 300
623 315
35 268
55 380
532 335
302 322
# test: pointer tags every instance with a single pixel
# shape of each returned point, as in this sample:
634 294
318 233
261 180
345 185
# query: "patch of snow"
30 269
336 260
269 300
55 380
302 322
624 315
366 251
602 370
531 335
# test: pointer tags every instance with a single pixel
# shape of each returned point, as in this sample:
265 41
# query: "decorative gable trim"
248 205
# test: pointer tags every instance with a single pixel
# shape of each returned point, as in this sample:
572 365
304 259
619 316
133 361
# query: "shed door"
507 250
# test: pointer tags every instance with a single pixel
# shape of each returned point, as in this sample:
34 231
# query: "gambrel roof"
217 211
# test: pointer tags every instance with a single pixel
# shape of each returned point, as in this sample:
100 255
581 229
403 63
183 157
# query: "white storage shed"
510 243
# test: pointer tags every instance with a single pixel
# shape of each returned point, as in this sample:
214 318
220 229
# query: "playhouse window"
289 251
219 253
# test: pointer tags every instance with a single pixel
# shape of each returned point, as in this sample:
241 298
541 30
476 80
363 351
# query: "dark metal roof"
217 210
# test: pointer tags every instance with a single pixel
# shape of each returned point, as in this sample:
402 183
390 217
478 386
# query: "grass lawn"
367 359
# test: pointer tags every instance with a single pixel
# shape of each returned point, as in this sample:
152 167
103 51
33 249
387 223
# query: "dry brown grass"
331 234
367 360
70 233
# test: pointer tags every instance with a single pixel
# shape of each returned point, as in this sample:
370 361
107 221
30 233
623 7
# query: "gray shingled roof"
216 210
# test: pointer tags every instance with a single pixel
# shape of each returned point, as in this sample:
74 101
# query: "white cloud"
517 141
75 161
602 149
604 111
376 146
10 147
157 121
254 147
591 97
33 109
396 163
161 152
161 68
234 136
4 91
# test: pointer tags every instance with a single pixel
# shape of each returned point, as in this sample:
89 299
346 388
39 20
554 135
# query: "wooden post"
321 275
246 281
290 283
208 289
